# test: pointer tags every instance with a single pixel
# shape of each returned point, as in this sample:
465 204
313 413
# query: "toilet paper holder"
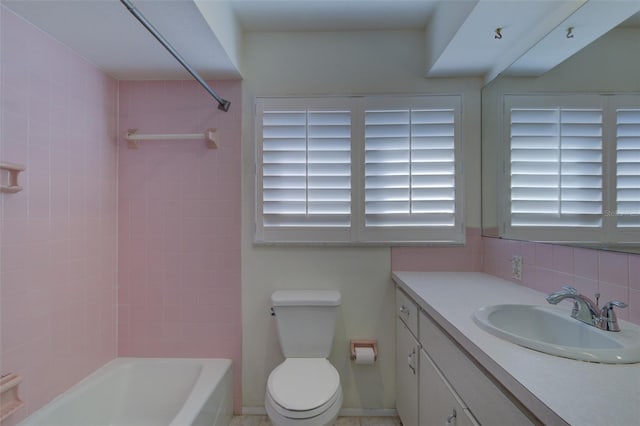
373 344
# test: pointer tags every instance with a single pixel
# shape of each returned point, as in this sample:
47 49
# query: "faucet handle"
570 289
608 318
616 303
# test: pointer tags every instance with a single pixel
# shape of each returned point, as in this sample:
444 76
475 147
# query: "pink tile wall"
179 225
465 258
57 236
548 267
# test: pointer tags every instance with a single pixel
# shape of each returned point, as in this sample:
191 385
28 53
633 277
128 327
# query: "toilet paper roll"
365 356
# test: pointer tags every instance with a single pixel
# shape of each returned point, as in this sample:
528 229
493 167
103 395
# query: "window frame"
357 233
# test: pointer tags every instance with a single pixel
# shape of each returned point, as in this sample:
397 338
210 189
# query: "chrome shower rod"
223 104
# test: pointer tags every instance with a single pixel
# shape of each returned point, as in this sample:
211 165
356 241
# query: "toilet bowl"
303 392
305 389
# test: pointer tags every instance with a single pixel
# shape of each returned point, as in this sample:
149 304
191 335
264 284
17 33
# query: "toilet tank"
306 321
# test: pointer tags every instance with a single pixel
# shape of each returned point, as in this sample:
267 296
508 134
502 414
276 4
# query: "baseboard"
345 412
368 412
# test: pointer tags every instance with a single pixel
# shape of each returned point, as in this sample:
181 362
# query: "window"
572 167
359 170
627 212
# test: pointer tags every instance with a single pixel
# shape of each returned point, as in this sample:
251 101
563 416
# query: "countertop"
555 389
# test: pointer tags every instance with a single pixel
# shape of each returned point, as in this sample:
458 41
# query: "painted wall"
179 224
546 267
57 236
304 64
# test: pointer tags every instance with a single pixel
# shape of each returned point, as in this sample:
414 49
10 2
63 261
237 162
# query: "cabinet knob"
451 420
404 310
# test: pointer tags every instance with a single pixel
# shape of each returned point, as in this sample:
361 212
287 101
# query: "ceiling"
333 15
208 33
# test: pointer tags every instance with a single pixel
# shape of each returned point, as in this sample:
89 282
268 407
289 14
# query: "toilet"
305 389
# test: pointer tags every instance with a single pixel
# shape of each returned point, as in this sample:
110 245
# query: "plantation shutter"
628 167
353 170
306 168
555 162
410 168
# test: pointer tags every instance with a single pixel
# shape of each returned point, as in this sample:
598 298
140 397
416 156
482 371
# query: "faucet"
587 311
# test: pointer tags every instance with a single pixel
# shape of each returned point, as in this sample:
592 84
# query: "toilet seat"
321 411
303 387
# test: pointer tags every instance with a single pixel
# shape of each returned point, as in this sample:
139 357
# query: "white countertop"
580 393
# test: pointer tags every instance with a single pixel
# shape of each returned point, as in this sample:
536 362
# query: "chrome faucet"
587 311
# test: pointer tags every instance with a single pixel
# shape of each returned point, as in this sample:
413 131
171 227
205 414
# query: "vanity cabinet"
484 398
407 358
438 383
439 404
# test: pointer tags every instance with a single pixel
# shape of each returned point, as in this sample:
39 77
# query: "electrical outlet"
516 267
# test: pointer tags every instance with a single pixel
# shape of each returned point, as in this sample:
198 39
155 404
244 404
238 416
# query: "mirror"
611 64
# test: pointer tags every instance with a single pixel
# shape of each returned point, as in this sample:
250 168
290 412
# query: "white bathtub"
146 392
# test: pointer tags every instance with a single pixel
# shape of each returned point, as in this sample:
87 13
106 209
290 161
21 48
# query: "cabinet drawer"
485 399
439 404
407 311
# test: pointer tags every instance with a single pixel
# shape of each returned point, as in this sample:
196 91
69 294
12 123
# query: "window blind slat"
409 167
628 167
556 166
301 220
392 219
306 173
552 221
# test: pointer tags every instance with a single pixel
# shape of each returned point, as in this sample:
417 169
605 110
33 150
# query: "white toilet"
305 389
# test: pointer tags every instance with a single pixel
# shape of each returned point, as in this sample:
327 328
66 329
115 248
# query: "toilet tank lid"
306 298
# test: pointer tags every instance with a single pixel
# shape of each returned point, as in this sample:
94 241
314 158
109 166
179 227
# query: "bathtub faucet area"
587 311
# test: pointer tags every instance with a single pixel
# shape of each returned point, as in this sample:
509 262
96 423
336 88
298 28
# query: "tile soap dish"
9 400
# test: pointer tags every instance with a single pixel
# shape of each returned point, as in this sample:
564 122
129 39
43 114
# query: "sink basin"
551 330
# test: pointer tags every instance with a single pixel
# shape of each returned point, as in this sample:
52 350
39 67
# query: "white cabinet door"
439 406
407 354
487 402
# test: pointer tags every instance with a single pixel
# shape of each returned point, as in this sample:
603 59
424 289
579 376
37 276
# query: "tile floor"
342 421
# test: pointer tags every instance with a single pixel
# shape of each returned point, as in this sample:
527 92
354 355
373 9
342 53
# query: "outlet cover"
516 267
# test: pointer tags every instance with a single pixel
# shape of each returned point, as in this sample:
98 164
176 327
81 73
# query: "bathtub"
145 392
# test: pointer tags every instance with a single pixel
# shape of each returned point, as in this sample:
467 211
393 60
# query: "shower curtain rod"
223 104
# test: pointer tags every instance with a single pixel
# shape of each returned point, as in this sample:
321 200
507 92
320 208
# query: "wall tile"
586 286
585 263
528 274
179 220
547 280
613 268
464 258
634 306
57 302
615 275
544 256
528 252
634 271
563 259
